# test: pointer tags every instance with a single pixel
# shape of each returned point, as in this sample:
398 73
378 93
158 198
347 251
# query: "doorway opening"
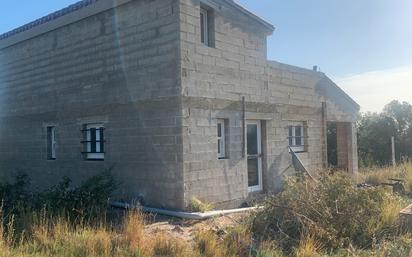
332 145
254 155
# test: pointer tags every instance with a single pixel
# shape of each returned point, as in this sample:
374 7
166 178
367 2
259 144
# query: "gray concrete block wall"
213 81
141 70
104 68
216 73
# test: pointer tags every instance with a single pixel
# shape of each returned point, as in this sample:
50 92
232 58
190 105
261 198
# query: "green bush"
85 201
14 196
334 211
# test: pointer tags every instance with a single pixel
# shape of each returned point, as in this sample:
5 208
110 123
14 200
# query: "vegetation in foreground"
332 218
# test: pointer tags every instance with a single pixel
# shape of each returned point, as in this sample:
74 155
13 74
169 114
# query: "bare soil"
187 229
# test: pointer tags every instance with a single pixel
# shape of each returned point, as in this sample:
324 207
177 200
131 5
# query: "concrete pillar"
324 140
342 145
347 147
353 149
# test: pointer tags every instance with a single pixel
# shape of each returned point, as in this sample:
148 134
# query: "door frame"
259 156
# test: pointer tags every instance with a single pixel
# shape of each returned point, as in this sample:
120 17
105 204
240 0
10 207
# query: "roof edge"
266 24
82 10
58 19
343 93
322 77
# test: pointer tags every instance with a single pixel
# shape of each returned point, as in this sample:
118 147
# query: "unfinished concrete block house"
176 95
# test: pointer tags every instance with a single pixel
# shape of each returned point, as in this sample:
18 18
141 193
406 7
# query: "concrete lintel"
259 116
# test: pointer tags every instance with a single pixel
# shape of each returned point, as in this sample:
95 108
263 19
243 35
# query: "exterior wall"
210 89
214 80
141 70
104 68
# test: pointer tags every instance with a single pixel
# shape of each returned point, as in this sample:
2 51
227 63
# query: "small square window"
94 142
221 139
296 137
51 143
207 26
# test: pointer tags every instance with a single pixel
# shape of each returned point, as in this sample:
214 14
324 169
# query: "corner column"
347 147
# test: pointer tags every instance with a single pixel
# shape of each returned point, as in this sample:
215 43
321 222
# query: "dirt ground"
187 229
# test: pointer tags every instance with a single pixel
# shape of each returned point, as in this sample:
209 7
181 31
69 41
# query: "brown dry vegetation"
377 175
330 219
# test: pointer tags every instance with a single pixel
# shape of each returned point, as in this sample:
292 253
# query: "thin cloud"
373 90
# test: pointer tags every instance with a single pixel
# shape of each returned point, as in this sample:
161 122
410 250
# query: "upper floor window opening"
207 24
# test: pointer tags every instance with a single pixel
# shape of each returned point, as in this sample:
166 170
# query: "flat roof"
48 18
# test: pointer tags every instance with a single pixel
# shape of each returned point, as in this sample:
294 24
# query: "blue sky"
341 36
364 45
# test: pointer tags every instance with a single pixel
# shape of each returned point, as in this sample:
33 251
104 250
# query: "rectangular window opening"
51 143
93 143
207 25
296 137
222 133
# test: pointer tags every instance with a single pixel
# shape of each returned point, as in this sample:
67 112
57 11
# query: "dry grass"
269 249
197 205
4 251
308 247
133 232
390 212
57 237
376 176
206 242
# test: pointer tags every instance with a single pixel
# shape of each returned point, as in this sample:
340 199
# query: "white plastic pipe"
183 215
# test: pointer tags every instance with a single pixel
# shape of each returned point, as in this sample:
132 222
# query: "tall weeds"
377 176
3 245
332 211
331 218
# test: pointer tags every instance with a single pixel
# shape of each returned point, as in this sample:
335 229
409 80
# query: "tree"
402 114
376 129
374 139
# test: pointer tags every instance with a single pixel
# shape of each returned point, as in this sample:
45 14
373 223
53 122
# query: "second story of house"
119 51
91 54
224 56
223 48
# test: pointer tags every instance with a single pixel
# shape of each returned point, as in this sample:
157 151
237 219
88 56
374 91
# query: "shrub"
15 196
334 211
85 202
88 200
